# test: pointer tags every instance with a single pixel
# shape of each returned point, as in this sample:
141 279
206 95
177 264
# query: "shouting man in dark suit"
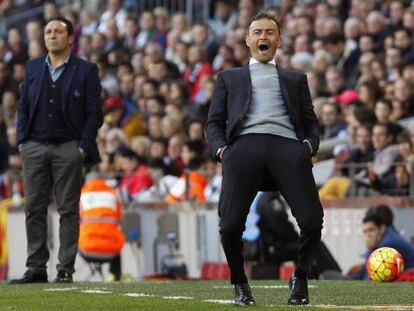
59 114
262 127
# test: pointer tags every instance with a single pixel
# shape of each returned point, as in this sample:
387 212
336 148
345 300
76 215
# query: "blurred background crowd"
157 66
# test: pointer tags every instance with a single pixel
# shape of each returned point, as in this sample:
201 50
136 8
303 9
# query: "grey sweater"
267 112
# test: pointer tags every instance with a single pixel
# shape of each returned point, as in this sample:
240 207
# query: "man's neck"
58 59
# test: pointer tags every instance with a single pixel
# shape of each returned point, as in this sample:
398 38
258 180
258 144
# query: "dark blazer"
232 97
81 102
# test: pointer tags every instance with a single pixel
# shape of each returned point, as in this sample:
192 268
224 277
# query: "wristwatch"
219 152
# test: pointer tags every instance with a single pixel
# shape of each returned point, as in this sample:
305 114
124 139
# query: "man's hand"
82 153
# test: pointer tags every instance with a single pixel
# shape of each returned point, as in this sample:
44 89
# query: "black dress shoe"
299 291
31 276
63 277
243 295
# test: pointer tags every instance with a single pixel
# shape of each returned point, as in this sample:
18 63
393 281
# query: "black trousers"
245 163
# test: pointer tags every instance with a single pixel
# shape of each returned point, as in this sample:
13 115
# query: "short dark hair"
68 23
384 212
129 154
334 39
264 15
375 218
387 127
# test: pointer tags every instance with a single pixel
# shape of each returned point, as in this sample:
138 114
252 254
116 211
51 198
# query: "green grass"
339 295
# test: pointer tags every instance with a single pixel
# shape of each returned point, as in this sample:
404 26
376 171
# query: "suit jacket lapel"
246 82
285 93
69 74
289 107
38 79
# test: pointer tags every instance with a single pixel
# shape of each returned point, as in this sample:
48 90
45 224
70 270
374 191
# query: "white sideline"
63 289
95 291
260 286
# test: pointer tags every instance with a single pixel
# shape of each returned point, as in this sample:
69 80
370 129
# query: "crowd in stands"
157 72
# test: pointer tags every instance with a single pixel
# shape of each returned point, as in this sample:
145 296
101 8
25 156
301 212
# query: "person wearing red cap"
119 115
347 97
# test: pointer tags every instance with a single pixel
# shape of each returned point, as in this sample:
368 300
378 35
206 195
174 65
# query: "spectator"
7 81
339 187
113 39
4 145
205 41
141 146
113 10
383 111
137 175
334 80
88 23
403 41
198 68
377 234
224 19
119 115
386 153
191 185
332 124
174 164
147 30
161 23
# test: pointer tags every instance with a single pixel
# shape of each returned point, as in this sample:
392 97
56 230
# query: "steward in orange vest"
195 181
100 237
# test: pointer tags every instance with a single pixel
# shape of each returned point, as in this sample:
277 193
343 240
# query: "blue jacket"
81 102
395 240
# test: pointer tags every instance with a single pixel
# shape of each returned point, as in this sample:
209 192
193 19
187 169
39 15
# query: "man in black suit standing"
262 127
59 114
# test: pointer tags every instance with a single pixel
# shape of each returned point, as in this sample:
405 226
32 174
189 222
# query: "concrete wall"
198 238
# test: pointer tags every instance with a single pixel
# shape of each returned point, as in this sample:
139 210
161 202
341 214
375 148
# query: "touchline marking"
95 291
177 297
138 295
261 286
220 301
63 289
369 307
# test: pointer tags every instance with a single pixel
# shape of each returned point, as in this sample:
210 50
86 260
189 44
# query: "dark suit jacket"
232 97
81 102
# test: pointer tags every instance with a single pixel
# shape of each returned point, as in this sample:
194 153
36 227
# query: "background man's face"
372 234
263 39
56 37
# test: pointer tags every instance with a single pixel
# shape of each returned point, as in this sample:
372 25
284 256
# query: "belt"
48 141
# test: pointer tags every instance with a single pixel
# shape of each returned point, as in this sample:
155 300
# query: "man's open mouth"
263 47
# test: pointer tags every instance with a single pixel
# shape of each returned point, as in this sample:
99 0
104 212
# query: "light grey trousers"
51 171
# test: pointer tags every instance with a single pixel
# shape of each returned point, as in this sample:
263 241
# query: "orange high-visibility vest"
100 235
197 184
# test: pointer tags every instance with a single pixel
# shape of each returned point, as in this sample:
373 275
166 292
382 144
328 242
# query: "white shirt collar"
254 61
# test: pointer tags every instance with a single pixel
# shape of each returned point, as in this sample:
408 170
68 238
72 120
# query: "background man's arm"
23 112
308 117
217 117
93 106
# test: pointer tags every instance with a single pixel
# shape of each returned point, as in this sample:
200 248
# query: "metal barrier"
329 144
353 186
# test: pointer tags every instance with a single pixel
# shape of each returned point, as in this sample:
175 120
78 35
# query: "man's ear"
71 39
278 43
247 39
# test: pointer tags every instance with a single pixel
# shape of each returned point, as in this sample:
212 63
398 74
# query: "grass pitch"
203 295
